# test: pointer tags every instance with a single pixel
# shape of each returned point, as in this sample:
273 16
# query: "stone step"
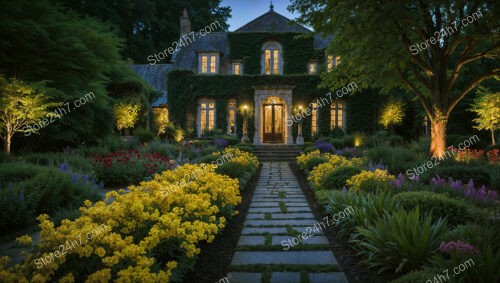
288 257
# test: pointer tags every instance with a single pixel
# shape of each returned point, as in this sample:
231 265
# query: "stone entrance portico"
282 93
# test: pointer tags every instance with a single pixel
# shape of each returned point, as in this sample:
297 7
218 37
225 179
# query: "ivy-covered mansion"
265 71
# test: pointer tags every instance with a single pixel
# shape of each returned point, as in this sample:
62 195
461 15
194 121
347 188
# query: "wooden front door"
273 123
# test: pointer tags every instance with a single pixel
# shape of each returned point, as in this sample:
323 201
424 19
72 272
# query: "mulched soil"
343 251
215 258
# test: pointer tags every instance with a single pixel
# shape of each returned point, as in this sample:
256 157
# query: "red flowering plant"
128 167
467 155
492 156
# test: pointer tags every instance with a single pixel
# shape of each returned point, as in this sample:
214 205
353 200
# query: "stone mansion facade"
272 104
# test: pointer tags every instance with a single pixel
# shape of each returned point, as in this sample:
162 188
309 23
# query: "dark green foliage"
421 275
479 175
398 159
307 144
337 132
144 135
28 190
412 240
247 148
440 206
237 171
310 149
76 162
315 161
159 21
209 159
297 51
336 179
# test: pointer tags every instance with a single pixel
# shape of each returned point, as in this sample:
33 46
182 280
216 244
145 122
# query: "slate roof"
187 56
272 22
156 76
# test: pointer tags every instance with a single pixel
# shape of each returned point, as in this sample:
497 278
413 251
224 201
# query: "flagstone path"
269 250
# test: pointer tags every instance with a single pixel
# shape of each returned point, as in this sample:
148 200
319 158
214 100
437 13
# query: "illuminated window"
337 115
232 118
314 118
208 63
313 68
207 116
272 64
204 63
337 61
237 69
329 62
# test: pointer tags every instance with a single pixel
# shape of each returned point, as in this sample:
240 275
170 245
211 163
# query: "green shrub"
209 158
112 143
439 205
34 190
337 132
244 147
315 161
76 162
337 143
400 242
421 275
367 208
165 149
310 149
5 157
397 159
144 135
479 175
478 235
348 141
235 170
336 180
307 144
395 140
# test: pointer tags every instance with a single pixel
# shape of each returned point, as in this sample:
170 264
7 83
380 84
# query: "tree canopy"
439 50
150 26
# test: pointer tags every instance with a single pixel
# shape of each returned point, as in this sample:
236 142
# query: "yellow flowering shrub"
239 156
304 157
368 181
151 230
316 178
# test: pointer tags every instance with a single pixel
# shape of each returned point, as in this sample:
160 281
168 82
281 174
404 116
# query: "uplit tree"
21 106
392 113
440 50
487 108
126 115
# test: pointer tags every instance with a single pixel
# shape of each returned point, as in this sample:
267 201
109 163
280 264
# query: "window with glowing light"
337 115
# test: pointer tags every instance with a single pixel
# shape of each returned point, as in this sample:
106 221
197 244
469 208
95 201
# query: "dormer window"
237 68
312 68
208 63
272 59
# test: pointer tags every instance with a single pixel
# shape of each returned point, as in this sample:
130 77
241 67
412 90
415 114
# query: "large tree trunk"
438 138
7 142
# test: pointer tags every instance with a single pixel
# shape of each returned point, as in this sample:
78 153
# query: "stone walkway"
270 249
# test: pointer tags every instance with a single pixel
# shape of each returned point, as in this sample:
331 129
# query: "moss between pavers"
285 268
267 216
283 207
299 247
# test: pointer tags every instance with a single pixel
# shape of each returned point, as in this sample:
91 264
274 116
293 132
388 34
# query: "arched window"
272 59
206 117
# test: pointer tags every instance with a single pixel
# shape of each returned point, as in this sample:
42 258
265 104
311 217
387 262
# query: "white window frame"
334 108
211 59
233 65
275 68
231 106
205 105
309 65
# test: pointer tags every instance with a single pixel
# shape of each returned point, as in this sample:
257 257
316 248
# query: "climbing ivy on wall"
297 50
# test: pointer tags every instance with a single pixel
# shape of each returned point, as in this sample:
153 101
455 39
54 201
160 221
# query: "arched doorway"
273 122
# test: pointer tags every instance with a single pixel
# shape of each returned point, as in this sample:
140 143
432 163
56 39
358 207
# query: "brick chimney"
185 24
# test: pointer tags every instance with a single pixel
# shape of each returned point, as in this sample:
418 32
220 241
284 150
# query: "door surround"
262 92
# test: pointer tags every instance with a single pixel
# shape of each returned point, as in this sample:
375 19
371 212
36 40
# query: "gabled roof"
272 22
156 76
187 56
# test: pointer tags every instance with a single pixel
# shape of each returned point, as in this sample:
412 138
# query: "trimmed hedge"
479 175
440 205
315 161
